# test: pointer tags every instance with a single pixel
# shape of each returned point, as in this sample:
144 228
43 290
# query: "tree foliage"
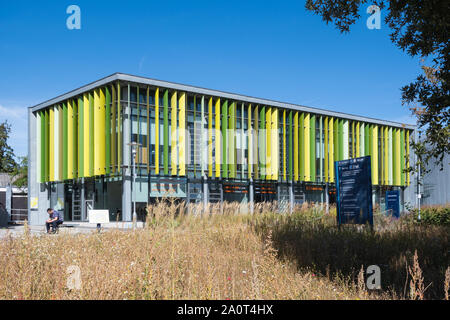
7 161
20 173
422 29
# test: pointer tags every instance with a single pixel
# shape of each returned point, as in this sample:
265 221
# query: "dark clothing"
53 224
56 223
58 215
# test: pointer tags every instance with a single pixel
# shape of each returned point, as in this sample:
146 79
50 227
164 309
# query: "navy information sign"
393 202
354 191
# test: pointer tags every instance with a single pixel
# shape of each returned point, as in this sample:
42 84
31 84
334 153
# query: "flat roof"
214 93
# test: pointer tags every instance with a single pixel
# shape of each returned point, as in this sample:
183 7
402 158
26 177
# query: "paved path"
68 227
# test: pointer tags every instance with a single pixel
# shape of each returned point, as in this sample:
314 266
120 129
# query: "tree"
20 173
7 161
422 29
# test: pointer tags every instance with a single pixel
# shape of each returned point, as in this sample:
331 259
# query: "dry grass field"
224 254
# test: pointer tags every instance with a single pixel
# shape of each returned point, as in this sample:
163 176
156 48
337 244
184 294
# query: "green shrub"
435 215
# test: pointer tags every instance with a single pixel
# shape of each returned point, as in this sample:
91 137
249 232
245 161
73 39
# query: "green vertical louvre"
256 143
366 140
224 127
80 137
402 156
65 144
335 140
370 138
232 140
301 149
91 134
108 131
341 139
262 143
312 146
290 146
75 138
321 150
166 132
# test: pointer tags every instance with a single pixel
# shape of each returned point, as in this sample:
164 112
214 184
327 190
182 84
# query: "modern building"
198 145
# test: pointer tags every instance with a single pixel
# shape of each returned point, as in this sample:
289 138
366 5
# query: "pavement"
16 230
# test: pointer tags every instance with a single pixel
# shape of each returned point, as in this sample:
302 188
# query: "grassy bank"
226 255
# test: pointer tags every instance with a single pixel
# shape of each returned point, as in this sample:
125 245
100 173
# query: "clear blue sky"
270 49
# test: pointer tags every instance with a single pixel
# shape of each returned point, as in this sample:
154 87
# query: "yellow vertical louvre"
353 140
217 157
97 132
357 139
173 134
397 158
210 137
57 142
87 133
182 135
156 131
61 142
101 125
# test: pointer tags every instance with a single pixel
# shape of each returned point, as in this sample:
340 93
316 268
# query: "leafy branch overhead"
420 28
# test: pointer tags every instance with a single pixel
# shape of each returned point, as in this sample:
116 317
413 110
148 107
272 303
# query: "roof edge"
211 92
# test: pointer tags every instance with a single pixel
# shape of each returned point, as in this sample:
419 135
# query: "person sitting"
55 219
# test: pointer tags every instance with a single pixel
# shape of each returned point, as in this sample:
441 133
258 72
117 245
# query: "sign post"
98 217
393 202
354 191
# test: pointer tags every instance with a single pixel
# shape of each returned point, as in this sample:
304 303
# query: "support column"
205 191
82 201
251 197
8 205
221 197
291 197
126 176
327 198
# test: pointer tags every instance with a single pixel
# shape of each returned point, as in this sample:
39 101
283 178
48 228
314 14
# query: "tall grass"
395 245
218 252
